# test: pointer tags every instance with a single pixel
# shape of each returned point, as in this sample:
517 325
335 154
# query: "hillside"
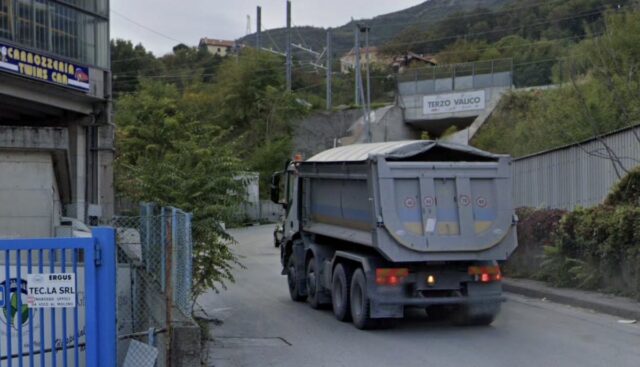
383 27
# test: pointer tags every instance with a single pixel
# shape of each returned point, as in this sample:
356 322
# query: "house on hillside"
377 59
218 47
399 63
410 60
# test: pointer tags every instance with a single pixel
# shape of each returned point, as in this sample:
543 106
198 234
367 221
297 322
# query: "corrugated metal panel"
576 175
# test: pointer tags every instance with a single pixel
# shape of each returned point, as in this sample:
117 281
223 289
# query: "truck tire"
340 286
360 303
293 281
313 284
475 314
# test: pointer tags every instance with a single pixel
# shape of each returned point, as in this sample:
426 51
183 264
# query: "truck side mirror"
275 187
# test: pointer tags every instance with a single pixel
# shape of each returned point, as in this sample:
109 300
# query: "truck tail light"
391 277
485 274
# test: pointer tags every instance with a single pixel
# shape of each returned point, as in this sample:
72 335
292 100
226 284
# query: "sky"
161 24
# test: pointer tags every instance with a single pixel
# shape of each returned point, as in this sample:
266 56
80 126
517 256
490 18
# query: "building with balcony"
56 131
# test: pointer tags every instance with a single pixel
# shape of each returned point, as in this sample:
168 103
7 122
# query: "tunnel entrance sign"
454 102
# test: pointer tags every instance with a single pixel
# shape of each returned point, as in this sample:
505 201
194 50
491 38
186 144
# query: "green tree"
172 154
129 63
599 92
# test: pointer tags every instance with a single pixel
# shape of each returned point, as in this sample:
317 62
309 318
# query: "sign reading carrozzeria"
36 66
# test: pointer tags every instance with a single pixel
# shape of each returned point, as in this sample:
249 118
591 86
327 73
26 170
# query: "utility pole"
360 86
366 42
289 61
259 28
329 72
356 53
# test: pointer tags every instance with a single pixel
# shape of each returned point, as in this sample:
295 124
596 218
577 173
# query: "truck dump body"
412 201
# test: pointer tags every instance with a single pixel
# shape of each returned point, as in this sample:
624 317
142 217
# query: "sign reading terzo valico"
454 102
40 67
54 290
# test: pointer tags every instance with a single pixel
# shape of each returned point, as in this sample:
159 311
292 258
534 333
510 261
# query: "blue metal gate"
36 327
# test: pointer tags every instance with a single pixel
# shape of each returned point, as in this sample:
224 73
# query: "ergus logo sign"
14 311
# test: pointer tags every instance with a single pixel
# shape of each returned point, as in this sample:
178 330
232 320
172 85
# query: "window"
5 21
57 28
94 6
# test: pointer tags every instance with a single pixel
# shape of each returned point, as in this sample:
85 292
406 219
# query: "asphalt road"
260 326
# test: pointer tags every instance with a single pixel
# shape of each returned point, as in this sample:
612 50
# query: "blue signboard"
36 66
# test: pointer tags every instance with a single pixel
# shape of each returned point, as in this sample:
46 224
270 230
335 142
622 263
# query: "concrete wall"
387 124
414 104
323 130
29 197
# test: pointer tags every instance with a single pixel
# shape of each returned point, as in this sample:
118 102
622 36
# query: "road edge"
608 304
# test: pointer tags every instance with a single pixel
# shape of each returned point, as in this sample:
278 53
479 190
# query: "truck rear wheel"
476 314
294 283
340 286
360 303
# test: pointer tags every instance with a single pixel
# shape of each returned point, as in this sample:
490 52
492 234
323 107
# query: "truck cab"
284 191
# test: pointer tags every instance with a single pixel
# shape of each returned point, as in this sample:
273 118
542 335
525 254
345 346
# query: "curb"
612 305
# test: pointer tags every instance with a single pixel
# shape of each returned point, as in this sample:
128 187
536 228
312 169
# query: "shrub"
627 190
535 229
596 248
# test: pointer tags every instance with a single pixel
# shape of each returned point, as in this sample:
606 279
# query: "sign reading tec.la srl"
454 102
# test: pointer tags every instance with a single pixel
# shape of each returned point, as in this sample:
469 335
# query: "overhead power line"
473 13
146 27
496 30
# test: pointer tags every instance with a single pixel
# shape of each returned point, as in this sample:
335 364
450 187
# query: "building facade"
56 131
221 48
376 58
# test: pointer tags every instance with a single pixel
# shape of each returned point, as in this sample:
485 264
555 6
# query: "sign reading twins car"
454 102
36 66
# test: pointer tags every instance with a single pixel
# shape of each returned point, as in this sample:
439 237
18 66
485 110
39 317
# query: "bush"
596 248
627 191
535 231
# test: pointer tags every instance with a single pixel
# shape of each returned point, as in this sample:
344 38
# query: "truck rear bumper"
430 301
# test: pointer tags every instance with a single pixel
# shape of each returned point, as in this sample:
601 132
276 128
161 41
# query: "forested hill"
383 27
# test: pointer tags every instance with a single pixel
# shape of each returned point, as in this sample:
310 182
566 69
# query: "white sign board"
53 290
454 102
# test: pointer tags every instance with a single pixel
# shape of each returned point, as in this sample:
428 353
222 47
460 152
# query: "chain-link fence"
154 282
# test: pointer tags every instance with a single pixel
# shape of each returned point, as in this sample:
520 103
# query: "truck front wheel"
294 283
340 286
360 303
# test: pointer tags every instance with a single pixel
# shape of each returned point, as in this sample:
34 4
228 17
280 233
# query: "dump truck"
373 229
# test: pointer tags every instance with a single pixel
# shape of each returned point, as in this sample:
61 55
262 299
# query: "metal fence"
454 77
155 251
576 175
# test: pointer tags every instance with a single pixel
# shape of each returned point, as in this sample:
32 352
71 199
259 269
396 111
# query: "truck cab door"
291 204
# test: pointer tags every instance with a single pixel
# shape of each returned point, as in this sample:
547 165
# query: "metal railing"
453 77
